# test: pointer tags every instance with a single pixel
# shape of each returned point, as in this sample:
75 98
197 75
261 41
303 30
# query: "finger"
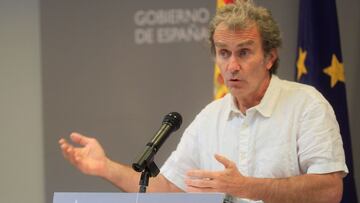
224 161
68 151
75 156
64 146
62 141
197 189
79 139
201 174
202 183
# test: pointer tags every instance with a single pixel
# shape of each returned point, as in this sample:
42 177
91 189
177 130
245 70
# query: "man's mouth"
235 82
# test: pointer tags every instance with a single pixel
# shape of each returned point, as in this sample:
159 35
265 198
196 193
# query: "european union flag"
320 64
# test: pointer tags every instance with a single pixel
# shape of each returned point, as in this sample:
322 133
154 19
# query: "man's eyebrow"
241 44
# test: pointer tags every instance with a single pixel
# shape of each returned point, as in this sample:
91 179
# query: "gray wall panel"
97 81
21 140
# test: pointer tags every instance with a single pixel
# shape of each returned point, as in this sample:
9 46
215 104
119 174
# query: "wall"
21 141
100 81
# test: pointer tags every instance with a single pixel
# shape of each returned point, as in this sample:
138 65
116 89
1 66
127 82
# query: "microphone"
171 123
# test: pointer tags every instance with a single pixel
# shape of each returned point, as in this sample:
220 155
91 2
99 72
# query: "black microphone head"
174 119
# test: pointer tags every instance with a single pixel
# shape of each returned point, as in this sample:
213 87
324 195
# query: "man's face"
240 56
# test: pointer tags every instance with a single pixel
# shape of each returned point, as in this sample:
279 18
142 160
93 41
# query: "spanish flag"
220 89
320 64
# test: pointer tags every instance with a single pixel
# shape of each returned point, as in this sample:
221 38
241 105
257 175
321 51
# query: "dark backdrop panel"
98 81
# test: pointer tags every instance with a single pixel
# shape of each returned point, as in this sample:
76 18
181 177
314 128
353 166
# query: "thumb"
224 161
79 139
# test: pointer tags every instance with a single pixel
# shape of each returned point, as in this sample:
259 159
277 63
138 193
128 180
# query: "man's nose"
234 64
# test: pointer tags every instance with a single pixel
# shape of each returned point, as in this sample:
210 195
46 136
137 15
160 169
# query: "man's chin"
236 91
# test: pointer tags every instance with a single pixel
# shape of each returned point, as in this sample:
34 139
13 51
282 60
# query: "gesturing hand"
228 181
90 158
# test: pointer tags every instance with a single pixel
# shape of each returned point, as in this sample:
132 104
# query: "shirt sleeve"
320 147
184 158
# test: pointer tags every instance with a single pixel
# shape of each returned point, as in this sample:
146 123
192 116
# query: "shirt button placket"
243 147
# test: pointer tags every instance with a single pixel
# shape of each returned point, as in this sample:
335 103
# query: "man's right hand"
89 157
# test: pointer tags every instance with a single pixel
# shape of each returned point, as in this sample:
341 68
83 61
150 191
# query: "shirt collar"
233 110
269 101
265 107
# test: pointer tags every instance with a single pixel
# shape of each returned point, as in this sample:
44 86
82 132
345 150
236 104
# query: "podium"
74 197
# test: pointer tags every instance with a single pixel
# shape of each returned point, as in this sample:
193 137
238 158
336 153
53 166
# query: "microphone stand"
151 170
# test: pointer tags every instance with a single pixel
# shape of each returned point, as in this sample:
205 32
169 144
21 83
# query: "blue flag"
320 64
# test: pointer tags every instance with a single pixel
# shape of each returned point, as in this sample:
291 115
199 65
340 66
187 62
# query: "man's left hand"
229 181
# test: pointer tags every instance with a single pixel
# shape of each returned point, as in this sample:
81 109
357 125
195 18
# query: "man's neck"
245 102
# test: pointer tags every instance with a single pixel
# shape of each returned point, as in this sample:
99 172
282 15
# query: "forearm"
121 176
125 178
306 188
92 160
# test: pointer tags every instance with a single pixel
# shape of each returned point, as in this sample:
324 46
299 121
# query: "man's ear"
271 58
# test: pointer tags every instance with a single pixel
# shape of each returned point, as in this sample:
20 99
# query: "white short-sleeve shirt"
292 131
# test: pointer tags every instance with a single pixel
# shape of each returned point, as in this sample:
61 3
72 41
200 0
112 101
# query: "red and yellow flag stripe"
220 89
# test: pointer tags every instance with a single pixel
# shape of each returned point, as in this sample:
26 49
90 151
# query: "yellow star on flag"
301 68
335 71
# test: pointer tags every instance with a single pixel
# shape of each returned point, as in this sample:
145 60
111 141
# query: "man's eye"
244 52
224 53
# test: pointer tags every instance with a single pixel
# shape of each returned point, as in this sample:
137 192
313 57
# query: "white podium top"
73 197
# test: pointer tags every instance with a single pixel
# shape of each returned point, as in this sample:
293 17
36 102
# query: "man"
268 140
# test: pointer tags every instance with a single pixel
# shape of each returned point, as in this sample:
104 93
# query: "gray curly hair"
243 14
